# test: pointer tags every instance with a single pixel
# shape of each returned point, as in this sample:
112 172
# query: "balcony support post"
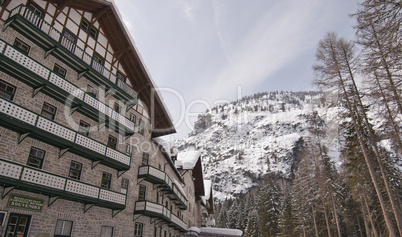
37 89
49 51
101 125
74 108
81 74
63 151
6 191
135 218
115 212
52 200
130 106
139 181
120 173
22 137
127 136
94 164
87 207
111 91
6 25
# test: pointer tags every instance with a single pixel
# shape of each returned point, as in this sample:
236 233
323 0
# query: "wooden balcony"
42 79
53 42
161 178
155 210
28 123
14 175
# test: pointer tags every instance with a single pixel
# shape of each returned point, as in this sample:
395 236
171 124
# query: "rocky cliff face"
242 141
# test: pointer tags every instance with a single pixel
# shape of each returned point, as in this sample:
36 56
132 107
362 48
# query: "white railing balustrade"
116 155
123 120
2 46
98 105
56 129
37 177
90 144
17 112
55 182
10 170
67 86
25 61
82 189
111 196
71 46
178 221
68 44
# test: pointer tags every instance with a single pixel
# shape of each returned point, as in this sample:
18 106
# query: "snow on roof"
194 229
207 189
221 231
177 184
163 143
187 159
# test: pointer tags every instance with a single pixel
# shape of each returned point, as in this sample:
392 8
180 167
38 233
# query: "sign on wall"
25 202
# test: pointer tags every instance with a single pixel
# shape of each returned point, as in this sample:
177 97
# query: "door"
18 225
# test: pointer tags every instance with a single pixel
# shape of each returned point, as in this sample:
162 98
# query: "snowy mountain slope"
244 140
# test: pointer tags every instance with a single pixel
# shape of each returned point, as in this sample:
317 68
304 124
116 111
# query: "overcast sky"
203 52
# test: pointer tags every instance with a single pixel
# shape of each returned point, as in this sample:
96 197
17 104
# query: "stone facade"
59 207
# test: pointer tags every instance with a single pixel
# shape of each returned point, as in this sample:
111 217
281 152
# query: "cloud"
220 11
276 39
187 9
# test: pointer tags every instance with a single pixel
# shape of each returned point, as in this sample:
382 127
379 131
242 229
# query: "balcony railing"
35 180
63 88
160 177
55 38
24 121
152 209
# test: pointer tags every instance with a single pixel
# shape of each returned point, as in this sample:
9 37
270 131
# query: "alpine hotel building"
79 127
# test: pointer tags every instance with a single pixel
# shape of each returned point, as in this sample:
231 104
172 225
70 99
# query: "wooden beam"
5 4
117 55
59 9
143 87
98 14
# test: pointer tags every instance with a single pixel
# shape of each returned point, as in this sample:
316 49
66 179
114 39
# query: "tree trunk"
369 216
315 223
373 142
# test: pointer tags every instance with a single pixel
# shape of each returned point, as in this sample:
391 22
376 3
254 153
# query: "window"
138 229
93 32
107 231
98 59
75 170
35 158
142 193
91 91
7 91
141 127
121 77
124 186
112 142
116 107
145 158
70 36
133 118
48 111
129 149
63 228
84 24
59 70
21 46
35 9
106 180
84 128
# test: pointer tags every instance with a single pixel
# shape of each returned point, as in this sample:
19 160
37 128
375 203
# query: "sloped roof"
109 19
187 159
191 160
